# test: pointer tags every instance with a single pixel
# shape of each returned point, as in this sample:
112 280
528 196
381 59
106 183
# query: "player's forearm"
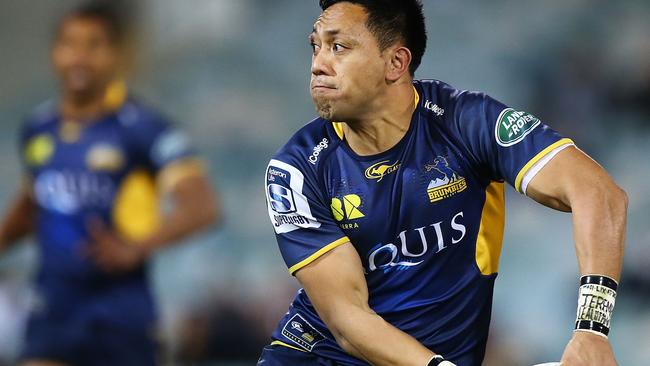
365 335
18 220
599 218
194 208
177 226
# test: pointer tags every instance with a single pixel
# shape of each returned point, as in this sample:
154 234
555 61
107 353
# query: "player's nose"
320 64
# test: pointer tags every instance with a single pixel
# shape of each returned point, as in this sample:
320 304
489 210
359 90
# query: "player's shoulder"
448 97
309 147
458 111
41 116
138 115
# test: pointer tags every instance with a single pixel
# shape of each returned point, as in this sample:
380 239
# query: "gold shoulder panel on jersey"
490 233
136 209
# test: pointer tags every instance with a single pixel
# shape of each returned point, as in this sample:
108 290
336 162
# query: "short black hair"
110 14
391 21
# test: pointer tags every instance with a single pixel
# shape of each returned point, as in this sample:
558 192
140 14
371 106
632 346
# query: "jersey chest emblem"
378 170
105 157
445 182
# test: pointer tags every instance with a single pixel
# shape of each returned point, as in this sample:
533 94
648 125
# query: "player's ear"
399 59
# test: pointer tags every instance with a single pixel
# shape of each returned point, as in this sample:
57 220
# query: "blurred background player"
96 162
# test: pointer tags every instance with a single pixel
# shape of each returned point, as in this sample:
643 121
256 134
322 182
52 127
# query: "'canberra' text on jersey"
426 217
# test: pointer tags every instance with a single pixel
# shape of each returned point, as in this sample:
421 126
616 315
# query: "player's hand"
112 253
587 349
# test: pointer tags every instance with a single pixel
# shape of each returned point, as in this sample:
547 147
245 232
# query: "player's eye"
337 47
314 47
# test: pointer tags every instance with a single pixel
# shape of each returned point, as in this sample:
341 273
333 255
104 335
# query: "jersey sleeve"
303 223
513 145
165 150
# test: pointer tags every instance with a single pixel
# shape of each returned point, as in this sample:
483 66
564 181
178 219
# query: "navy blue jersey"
108 169
426 217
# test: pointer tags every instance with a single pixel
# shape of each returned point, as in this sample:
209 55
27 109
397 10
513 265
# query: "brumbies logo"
447 182
382 168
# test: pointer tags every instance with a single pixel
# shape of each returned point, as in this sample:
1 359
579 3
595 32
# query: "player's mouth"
321 84
322 87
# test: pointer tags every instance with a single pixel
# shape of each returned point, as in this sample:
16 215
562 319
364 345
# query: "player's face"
348 69
84 57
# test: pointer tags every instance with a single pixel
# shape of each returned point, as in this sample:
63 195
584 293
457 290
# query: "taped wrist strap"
596 299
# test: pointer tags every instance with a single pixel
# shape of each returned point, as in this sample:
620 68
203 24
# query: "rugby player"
96 162
389 208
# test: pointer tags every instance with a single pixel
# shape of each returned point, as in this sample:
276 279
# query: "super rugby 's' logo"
447 182
382 168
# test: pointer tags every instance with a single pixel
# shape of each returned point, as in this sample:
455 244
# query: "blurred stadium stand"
235 74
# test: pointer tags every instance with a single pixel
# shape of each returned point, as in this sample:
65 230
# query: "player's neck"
385 125
82 108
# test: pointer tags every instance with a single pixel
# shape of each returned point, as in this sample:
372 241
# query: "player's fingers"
97 229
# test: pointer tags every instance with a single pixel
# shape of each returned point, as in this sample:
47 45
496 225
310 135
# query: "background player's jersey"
426 217
102 169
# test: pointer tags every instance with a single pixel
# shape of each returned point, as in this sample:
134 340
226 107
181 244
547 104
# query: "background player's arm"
193 208
336 285
18 220
572 181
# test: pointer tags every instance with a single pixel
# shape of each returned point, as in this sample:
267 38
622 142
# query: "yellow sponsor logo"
39 150
347 208
381 169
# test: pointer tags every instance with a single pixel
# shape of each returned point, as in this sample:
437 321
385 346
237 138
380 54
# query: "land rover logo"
512 126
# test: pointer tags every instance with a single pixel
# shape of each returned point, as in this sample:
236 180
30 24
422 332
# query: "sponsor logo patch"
379 170
512 126
347 208
288 207
299 331
446 181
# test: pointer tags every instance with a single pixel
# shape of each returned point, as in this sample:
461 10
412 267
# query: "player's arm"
573 182
193 208
336 285
18 220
